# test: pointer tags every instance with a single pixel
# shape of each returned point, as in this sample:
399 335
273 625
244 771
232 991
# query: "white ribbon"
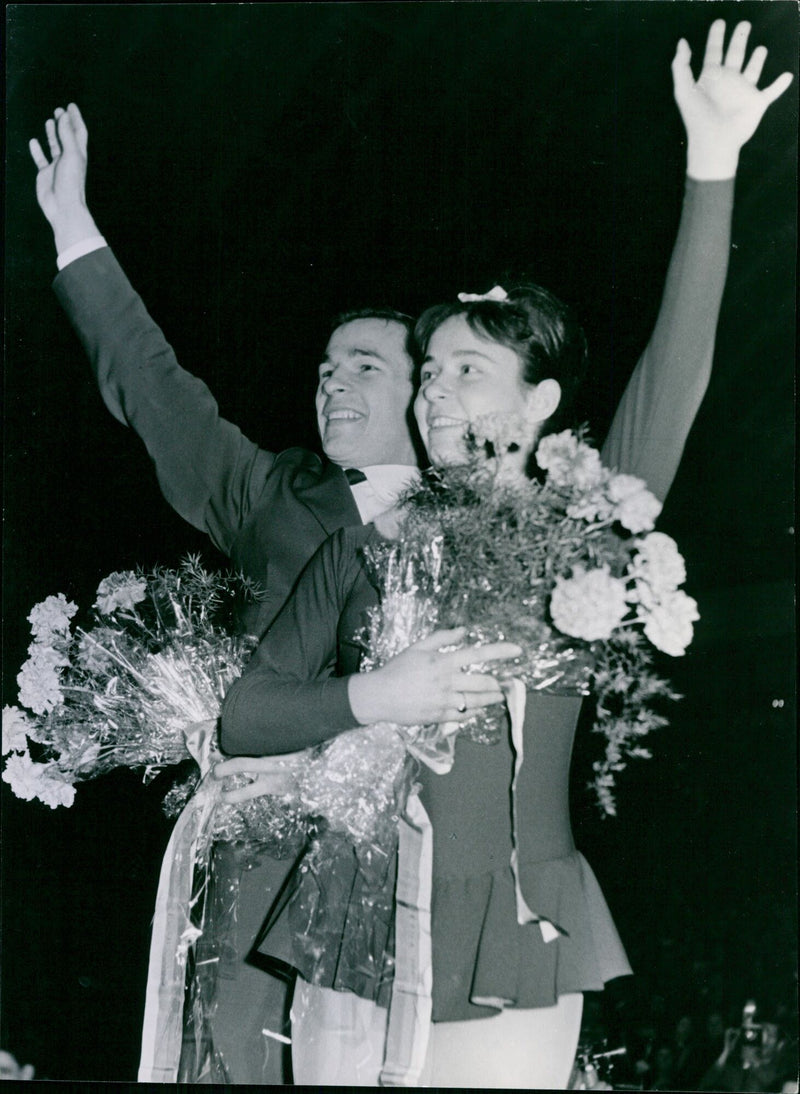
411 1003
497 293
173 932
516 698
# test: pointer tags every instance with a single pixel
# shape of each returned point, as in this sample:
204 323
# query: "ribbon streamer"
173 932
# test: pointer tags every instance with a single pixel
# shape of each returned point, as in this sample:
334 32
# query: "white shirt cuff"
78 250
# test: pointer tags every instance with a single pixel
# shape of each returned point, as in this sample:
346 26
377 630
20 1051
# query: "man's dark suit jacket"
268 512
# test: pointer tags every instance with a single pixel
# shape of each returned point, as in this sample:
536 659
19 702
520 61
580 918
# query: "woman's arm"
290 697
720 111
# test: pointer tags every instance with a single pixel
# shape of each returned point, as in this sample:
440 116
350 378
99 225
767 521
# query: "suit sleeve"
207 470
661 401
288 696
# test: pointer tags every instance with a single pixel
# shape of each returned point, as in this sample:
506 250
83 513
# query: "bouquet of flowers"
568 567
122 692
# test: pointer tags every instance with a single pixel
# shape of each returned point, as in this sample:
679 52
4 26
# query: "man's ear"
542 400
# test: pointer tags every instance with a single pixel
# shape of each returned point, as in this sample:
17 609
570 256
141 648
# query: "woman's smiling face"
465 376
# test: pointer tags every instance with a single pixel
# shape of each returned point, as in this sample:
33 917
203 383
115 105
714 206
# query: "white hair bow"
497 293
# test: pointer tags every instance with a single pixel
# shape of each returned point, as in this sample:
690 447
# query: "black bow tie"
353 475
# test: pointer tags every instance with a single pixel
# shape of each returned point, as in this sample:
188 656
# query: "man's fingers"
248 765
777 87
236 766
52 138
78 126
66 134
752 72
714 42
734 58
264 784
39 158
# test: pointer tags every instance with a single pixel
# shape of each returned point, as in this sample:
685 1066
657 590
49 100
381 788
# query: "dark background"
258 168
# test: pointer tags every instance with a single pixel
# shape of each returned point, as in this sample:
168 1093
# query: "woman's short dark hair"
541 329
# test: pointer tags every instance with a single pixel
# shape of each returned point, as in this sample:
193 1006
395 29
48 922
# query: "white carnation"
588 605
591 506
39 679
638 510
669 623
569 462
31 780
623 486
122 589
15 730
659 563
51 616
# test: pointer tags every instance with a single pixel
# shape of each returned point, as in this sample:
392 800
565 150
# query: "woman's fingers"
755 65
441 638
734 58
774 90
714 43
475 655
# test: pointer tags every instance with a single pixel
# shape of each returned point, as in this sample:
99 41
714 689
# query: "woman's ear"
542 400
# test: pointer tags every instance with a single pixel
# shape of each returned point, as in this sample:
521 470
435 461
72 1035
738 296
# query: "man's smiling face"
365 388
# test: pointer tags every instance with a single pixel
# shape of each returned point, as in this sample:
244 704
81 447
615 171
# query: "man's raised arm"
207 470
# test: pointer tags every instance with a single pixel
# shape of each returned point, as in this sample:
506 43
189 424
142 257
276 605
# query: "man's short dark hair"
391 315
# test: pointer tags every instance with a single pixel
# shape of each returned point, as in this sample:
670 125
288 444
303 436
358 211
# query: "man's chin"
341 448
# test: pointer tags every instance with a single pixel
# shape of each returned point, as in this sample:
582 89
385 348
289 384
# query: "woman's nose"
435 388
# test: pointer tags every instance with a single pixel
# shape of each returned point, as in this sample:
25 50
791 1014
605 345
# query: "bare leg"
517 1049
338 1039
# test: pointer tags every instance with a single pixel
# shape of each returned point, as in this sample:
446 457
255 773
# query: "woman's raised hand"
427 683
723 108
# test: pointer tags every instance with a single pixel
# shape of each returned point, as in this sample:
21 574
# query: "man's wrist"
73 226
78 250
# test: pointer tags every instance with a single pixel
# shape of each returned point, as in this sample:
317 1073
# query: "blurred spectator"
687 1056
664 1069
766 1065
10 1069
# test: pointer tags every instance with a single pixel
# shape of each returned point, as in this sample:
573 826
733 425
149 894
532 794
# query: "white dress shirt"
384 484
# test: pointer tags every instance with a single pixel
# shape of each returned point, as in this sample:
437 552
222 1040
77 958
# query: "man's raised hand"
723 108
61 179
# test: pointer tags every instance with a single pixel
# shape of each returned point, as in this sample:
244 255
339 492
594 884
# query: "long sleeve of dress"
661 401
290 696
207 470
